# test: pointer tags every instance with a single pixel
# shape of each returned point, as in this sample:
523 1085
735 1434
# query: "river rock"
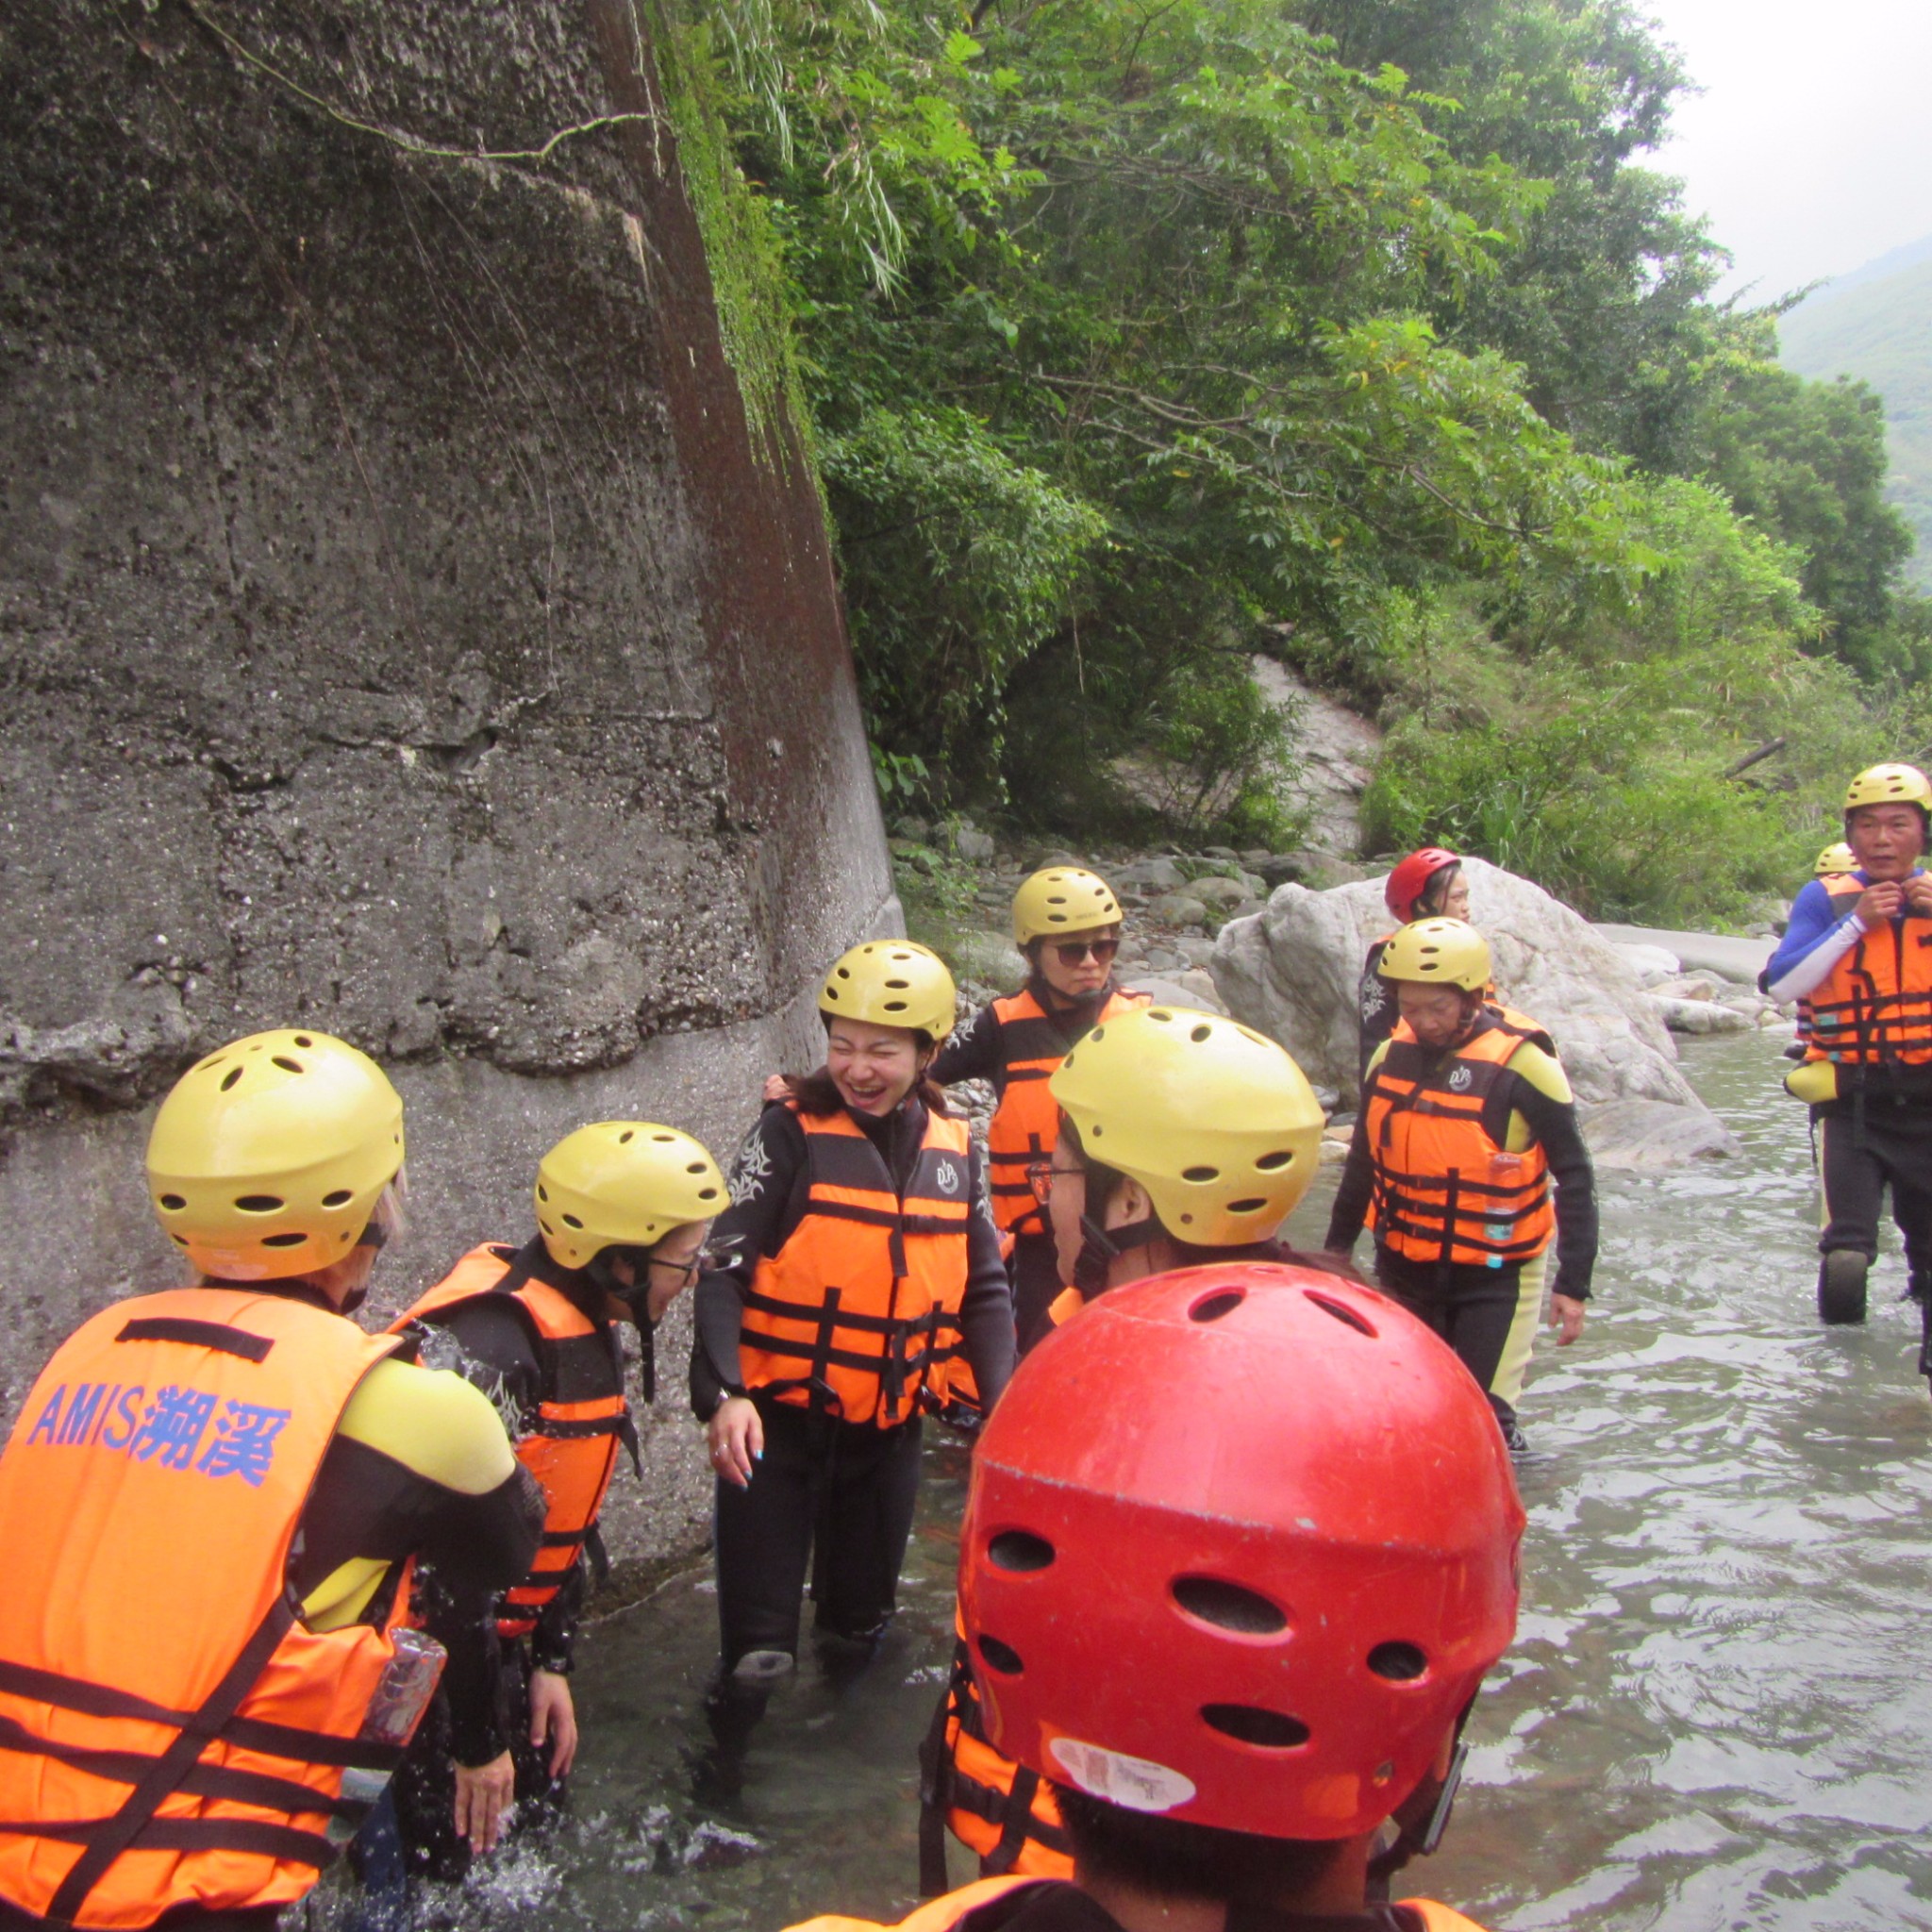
1184 989
1652 965
973 845
989 958
1293 970
1150 874
1178 908
1705 1015
1218 890
1652 1136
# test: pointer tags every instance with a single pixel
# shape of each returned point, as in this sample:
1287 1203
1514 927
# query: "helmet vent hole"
708 1193
899 985
1002 1657
1348 1317
259 1204
667 1139
695 1167
1250 1204
228 1080
1251 1724
1230 1606
1274 1163
1019 1549
287 1065
570 1221
1162 1014
542 1193
1199 1173
1223 1301
340 1198
895 1006
180 1240
625 1138
303 1039
1401 1663
173 1203
283 1240
1201 1033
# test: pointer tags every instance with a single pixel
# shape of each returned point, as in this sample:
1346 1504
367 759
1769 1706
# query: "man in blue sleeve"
1859 949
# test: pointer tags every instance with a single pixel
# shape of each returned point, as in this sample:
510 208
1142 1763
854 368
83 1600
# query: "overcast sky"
1811 147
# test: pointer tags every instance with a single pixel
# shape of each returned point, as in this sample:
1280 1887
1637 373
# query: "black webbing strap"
219 1335
1014 1829
220 1781
934 1779
112 1836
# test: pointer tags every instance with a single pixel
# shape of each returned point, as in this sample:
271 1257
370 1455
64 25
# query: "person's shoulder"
1542 1070
432 1422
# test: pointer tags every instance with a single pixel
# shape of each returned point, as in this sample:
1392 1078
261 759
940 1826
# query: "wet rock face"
399 632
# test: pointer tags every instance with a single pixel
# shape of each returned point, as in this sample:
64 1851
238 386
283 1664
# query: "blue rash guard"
1817 938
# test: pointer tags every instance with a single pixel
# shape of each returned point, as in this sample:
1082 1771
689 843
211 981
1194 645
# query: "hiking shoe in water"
764 1670
1842 1286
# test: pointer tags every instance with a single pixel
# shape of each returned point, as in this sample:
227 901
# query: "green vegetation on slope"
1880 333
1139 339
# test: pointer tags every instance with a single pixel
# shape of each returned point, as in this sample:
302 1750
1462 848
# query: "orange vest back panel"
860 1309
996 1807
1444 1191
946 1914
572 1446
1875 1004
1027 1122
157 1472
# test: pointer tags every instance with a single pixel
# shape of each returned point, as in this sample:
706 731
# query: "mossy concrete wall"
400 633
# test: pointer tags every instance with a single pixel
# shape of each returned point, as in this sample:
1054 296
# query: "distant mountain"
1876 323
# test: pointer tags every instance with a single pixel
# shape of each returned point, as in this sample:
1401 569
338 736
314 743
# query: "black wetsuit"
831 1495
489 1343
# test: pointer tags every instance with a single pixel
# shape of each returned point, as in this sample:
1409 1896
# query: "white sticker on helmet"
1133 1783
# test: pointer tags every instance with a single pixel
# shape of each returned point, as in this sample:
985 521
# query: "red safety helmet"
1241 1544
1403 890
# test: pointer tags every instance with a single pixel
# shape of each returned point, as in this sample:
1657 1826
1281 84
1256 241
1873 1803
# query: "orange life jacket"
859 1312
1000 1810
990 1903
171 1733
581 1414
1444 1191
1027 1121
1875 1004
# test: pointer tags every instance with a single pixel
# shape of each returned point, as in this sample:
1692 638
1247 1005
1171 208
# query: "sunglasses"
705 1261
1040 1179
1072 951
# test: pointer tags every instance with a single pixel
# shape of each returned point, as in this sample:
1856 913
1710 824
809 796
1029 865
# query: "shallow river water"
1716 1714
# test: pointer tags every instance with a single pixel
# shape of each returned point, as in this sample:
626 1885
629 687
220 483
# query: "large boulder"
1293 971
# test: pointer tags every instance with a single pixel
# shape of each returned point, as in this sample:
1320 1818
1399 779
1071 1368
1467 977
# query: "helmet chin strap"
1100 1245
1423 1817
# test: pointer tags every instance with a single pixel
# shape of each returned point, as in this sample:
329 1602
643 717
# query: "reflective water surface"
1717 1713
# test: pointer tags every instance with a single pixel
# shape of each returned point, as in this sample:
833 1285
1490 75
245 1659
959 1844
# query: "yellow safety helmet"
267 1158
622 1184
1063 899
892 983
1836 859
1890 784
1215 1121
1437 951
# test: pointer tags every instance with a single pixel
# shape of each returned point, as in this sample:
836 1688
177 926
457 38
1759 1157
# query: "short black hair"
1177 1859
